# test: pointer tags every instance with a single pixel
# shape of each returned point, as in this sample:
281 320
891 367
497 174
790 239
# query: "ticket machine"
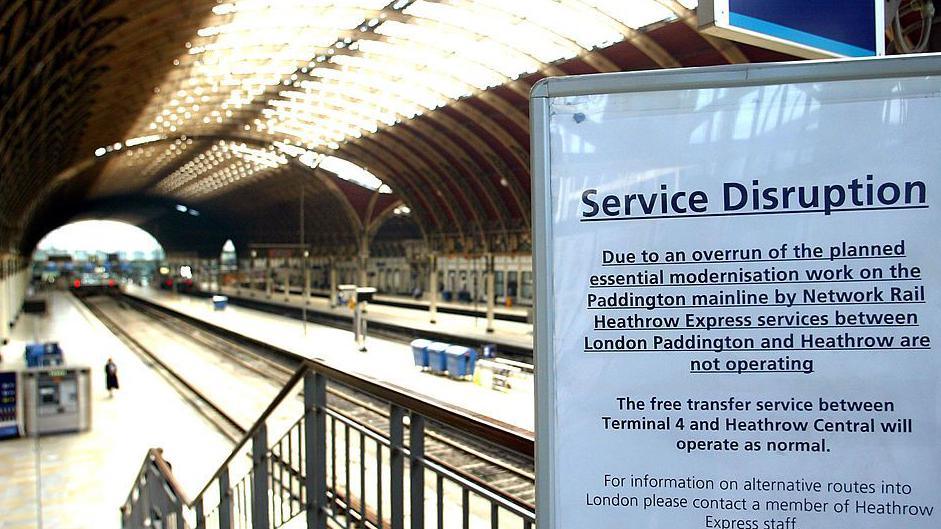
57 399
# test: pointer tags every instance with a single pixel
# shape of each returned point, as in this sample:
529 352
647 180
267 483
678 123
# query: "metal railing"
333 468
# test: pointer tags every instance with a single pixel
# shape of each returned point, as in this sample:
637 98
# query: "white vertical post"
238 277
23 285
287 282
333 283
363 260
268 277
4 311
251 274
306 280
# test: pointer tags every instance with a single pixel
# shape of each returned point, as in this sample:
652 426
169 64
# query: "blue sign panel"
809 28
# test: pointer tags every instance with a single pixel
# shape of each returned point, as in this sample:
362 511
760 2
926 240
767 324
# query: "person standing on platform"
111 377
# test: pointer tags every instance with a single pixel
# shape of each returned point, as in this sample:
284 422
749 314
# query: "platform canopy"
147 110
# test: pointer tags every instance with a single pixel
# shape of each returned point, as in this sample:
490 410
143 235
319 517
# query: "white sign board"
737 297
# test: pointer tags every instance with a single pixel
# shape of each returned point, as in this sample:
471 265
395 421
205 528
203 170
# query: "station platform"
502 312
85 477
385 360
514 336
518 313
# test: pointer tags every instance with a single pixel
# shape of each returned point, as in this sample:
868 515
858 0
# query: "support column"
333 283
238 276
268 277
363 260
4 311
306 280
22 287
251 275
491 293
8 296
13 293
433 288
287 283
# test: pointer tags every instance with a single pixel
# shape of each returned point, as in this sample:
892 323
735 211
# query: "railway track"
212 411
475 458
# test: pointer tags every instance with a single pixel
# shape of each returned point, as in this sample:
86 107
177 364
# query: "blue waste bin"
437 358
33 354
461 361
220 302
43 354
420 352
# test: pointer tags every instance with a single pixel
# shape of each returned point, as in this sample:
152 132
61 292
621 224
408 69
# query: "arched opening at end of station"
97 252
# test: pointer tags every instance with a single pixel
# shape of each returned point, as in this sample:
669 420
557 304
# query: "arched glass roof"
311 74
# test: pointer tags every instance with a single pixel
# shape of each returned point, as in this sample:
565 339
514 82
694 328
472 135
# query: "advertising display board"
736 297
10 414
806 28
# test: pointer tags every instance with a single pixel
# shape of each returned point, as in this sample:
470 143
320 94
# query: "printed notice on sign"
745 307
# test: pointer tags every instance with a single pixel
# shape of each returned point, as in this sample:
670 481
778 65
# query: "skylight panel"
353 173
516 33
588 29
634 14
424 58
344 69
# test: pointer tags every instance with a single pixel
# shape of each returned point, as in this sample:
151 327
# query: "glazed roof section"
366 105
311 74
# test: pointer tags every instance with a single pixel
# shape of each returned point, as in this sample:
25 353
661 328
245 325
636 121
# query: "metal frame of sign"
715 19
659 80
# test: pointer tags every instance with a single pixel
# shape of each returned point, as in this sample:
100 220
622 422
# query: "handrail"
279 398
157 455
504 435
154 458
